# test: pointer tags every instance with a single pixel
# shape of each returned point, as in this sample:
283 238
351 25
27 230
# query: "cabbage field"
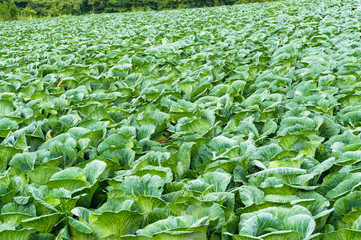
236 123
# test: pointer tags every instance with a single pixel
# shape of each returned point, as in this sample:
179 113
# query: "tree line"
15 9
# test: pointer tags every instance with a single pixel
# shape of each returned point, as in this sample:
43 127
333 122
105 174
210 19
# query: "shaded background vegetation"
15 9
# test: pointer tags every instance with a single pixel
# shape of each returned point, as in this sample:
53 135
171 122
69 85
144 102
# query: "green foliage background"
15 9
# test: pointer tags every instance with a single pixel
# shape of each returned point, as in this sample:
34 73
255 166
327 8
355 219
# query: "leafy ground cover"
238 122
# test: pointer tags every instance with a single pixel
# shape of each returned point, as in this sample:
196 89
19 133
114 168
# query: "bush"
27 12
8 11
3 11
13 10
